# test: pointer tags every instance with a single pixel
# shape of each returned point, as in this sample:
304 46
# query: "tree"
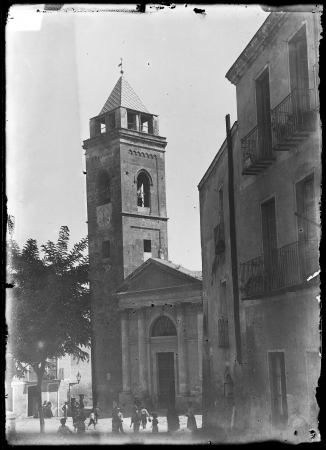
48 315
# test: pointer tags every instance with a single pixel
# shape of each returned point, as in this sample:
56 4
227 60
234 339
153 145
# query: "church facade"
161 335
127 225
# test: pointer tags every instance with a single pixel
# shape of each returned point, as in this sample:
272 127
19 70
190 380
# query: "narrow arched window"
163 326
143 190
103 189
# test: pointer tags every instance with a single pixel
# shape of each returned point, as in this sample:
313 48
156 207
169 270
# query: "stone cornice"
146 216
127 136
129 303
258 43
195 288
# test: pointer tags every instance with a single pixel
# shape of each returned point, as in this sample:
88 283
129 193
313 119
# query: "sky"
61 66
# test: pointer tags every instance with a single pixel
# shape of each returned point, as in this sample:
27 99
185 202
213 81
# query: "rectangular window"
264 114
221 205
308 231
278 389
106 251
222 323
303 97
51 370
298 60
219 239
147 249
133 121
269 234
112 121
306 207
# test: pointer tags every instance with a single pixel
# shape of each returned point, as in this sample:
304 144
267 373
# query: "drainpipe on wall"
233 241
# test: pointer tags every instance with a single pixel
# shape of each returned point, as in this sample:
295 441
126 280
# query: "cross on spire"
120 65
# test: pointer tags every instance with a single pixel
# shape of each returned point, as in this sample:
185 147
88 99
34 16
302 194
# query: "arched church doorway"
163 337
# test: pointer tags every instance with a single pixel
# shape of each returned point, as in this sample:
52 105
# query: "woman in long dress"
191 422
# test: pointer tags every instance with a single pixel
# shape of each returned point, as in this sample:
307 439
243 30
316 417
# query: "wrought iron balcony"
293 119
256 150
287 266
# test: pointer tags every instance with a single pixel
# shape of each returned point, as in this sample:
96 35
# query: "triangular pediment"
123 95
158 274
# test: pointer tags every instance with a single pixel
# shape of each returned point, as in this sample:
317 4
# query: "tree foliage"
49 312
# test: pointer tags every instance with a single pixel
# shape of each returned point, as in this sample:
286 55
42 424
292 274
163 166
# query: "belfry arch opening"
103 189
143 190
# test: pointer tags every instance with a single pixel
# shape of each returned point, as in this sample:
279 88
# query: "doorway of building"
32 408
166 379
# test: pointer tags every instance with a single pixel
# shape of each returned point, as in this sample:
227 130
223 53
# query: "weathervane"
120 65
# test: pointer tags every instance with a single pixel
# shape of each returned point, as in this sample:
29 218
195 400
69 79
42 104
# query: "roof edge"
260 40
167 265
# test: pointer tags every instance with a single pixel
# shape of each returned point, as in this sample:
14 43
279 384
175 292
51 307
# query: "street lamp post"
78 376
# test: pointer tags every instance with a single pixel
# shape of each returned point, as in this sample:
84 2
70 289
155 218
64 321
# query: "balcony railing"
257 149
293 119
287 266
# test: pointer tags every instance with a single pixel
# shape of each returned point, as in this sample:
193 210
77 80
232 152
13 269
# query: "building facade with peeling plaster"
261 354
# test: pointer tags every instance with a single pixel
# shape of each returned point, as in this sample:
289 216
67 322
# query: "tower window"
146 124
147 246
132 121
143 190
147 249
106 250
103 188
111 121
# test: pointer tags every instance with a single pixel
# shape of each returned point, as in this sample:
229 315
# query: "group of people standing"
47 409
78 419
140 417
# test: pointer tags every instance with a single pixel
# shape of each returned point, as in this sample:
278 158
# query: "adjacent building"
263 351
59 385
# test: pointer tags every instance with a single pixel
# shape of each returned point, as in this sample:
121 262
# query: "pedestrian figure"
191 422
80 425
154 423
74 418
172 418
144 415
92 419
120 421
63 430
96 413
135 419
115 420
81 402
65 410
44 409
137 402
48 410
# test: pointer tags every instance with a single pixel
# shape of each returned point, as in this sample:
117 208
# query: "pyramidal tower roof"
123 95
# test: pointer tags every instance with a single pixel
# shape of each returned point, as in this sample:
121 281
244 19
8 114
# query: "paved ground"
28 433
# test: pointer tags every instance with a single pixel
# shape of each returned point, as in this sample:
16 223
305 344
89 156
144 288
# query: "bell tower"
127 221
